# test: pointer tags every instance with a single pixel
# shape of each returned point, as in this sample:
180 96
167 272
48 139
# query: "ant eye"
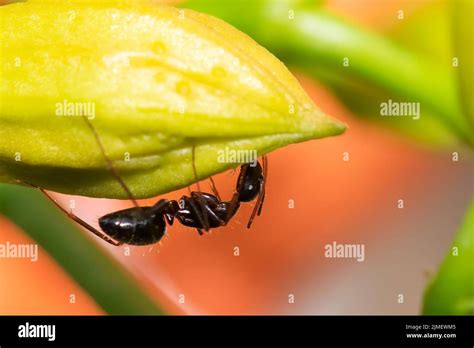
181 203
250 187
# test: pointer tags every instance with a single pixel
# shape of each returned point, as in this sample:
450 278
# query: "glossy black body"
192 209
147 225
249 183
134 226
139 226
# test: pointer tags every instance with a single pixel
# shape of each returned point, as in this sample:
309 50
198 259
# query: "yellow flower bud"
153 81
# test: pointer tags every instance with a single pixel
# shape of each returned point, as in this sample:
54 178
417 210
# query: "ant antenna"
110 164
214 188
202 219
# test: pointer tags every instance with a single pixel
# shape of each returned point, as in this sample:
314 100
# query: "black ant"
147 225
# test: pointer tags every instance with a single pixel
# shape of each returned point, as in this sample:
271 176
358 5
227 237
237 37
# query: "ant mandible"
147 225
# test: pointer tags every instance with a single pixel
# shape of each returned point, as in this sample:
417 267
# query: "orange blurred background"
352 201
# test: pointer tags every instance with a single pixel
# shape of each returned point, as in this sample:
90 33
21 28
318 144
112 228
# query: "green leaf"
451 292
318 42
463 35
113 288
157 81
365 101
425 33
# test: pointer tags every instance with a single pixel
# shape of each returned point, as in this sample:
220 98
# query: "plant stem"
452 290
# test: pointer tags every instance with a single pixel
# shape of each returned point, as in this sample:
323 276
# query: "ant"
147 225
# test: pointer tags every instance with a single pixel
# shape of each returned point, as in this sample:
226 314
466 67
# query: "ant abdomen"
134 226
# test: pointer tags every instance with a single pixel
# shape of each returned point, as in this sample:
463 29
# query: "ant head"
249 183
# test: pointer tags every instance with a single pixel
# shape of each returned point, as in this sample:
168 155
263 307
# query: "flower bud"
153 81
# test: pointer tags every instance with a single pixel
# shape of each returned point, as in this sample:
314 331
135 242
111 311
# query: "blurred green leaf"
426 31
113 288
365 101
318 42
451 292
160 81
463 34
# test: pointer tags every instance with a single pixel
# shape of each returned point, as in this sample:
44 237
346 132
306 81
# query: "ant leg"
213 214
198 214
208 211
261 197
265 170
74 217
203 219
110 165
214 189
